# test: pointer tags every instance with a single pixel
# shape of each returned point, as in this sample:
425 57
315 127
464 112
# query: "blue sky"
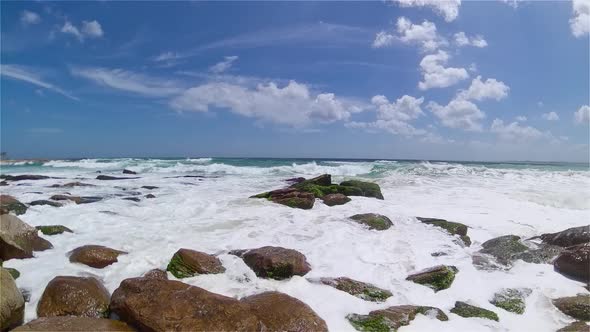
415 79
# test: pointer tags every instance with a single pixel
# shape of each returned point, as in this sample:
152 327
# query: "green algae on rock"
53 229
13 272
11 204
438 277
451 227
467 310
511 299
365 291
187 263
392 318
575 306
374 221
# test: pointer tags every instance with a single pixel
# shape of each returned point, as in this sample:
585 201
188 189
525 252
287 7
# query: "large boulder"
451 227
511 299
362 290
73 323
53 229
156 274
503 248
438 277
188 263
467 310
274 262
12 303
569 237
392 318
361 188
575 306
18 239
335 199
95 256
165 305
373 221
574 262
11 204
74 296
281 312
290 197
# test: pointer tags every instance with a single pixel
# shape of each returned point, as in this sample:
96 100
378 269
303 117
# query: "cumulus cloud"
89 29
514 131
582 115
551 116
521 118
449 9
383 39
424 35
458 113
461 39
488 89
25 74
580 22
224 65
29 17
436 75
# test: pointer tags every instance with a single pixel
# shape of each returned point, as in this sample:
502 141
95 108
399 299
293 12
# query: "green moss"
13 272
16 207
369 323
53 229
179 268
511 299
440 315
280 272
374 221
368 189
263 195
514 305
466 240
376 294
438 279
466 310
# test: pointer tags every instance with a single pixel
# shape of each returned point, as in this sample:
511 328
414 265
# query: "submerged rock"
569 237
335 199
365 291
281 312
45 202
76 199
511 299
18 239
12 305
374 221
509 248
392 318
72 185
11 204
156 274
95 256
149 187
290 197
23 177
73 323
53 229
188 263
108 177
438 277
74 296
126 171
150 196
574 262
503 248
451 227
133 199
274 262
577 306
467 310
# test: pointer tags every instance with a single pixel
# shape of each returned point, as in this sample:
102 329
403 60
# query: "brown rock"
74 296
281 312
392 318
167 305
72 323
156 274
12 303
574 262
576 327
18 239
95 256
569 237
275 262
335 199
188 263
11 204
575 306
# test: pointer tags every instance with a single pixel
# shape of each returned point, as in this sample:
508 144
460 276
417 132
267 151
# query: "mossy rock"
13 272
187 263
577 306
451 227
438 277
392 318
53 229
575 327
368 189
467 310
365 291
503 248
374 221
11 204
511 299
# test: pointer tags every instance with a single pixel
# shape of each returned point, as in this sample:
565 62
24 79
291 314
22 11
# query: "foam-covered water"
215 215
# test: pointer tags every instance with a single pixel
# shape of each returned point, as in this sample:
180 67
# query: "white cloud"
521 118
166 56
488 89
438 76
423 34
458 113
69 28
582 115
224 65
551 116
406 108
580 22
514 131
26 75
29 17
92 29
461 39
383 39
449 9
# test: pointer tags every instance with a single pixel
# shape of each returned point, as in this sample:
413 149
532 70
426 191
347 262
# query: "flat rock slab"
53 229
23 177
188 263
95 256
72 323
577 307
467 310
362 290
45 202
274 262
438 277
392 318
74 296
373 221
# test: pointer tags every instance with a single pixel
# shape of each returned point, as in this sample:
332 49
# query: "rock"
156 274
335 199
149 187
126 171
53 229
76 199
74 296
365 291
543 254
18 239
290 197
12 204
188 263
281 312
150 196
95 256
72 323
322 180
108 177
134 199
24 177
12 306
438 277
45 202
392 318
467 310
374 221
511 299
576 327
503 248
296 180
367 189
577 306
166 305
451 227
13 272
275 262
439 254
574 262
72 185
570 237
3 183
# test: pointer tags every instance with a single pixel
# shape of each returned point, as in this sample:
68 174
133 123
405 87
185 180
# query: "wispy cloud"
29 17
25 74
88 29
224 65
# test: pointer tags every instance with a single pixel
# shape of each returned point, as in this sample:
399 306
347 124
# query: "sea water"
214 215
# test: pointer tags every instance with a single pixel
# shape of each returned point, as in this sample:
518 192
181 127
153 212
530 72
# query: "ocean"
214 214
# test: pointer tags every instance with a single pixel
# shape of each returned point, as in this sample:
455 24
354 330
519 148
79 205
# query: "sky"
402 79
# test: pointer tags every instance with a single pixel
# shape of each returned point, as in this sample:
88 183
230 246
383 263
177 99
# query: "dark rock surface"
467 310
574 262
187 263
438 277
569 237
74 296
577 306
95 256
274 262
73 323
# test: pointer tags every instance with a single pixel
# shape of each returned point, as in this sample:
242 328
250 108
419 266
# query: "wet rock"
574 262
438 277
126 171
45 202
12 204
18 239
577 306
539 253
73 323
95 256
335 199
53 229
149 187
365 291
374 221
108 177
290 197
392 318
150 196
76 199
576 327
13 272
167 305
503 248
12 305
467 310
133 199
23 177
72 185
274 262
26 294
367 189
74 296
295 180
451 227
439 254
3 183
511 299
281 312
569 237
188 263
156 274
